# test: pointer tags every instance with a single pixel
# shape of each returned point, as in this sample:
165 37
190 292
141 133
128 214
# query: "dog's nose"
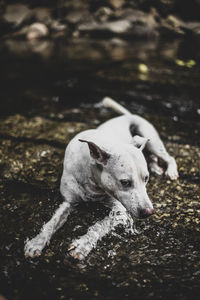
146 212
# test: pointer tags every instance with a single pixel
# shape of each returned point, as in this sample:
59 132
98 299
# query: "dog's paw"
33 248
77 250
172 173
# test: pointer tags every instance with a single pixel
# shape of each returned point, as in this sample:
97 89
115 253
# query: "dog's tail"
108 102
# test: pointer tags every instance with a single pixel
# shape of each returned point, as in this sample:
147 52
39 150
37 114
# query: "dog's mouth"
145 213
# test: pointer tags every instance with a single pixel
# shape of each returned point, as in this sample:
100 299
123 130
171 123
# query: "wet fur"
95 162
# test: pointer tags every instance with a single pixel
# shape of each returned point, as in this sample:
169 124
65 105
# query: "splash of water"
82 246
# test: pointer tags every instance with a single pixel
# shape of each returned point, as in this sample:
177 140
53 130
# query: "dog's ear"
139 142
97 153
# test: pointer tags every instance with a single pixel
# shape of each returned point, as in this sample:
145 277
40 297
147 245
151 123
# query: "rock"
16 13
127 22
178 26
37 30
116 3
139 17
57 26
116 17
120 26
173 24
103 14
42 15
192 27
78 15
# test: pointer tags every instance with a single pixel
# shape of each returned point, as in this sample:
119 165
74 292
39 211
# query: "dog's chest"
92 192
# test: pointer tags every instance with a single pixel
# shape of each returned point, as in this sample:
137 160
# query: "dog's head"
122 173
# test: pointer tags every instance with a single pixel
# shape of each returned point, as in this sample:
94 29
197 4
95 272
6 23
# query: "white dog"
107 164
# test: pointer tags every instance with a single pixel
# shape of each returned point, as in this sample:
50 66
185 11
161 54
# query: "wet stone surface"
39 116
32 149
144 19
162 259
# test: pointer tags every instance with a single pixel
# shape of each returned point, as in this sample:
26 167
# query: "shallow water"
51 90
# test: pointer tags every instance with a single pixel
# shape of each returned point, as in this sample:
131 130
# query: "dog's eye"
146 179
125 183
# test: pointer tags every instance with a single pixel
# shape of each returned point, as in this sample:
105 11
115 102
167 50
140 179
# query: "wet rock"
164 17
116 3
173 24
78 15
75 5
192 27
103 14
120 26
16 13
32 32
176 25
42 15
37 30
139 17
127 22
57 26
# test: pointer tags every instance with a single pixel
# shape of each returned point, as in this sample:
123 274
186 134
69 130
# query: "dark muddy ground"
49 91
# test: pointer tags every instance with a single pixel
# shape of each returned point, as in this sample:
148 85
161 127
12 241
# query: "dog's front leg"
82 246
35 246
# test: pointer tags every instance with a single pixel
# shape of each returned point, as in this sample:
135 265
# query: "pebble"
16 13
117 3
36 31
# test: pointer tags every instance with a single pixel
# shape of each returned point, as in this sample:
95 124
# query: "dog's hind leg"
35 246
153 165
155 146
82 246
158 149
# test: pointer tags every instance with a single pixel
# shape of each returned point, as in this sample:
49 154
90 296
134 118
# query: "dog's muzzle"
145 213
